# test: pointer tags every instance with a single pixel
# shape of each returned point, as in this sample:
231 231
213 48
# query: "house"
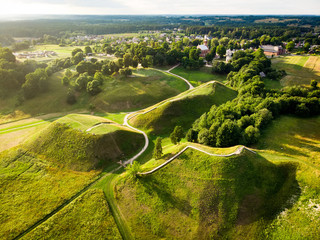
270 50
204 48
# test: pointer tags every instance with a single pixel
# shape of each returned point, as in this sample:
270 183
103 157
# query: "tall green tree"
176 135
157 152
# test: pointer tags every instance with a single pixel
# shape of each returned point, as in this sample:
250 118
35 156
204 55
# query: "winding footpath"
122 226
237 152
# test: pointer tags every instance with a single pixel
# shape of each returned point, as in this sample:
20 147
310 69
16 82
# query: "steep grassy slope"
88 217
198 196
297 140
55 164
66 146
184 109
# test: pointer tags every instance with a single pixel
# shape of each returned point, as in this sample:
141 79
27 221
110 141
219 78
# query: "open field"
300 69
197 77
88 217
38 186
145 88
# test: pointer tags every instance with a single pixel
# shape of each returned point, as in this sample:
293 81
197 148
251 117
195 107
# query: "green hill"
55 164
65 142
198 196
184 109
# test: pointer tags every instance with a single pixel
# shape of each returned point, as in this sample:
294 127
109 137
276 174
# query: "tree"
65 81
7 55
306 47
290 46
176 135
68 73
133 169
87 50
157 152
192 135
314 84
75 51
251 134
77 58
135 62
93 87
221 50
125 72
144 63
127 60
71 98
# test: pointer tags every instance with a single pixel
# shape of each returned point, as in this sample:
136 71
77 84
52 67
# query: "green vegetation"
85 151
197 77
199 196
296 141
32 187
184 109
300 69
88 217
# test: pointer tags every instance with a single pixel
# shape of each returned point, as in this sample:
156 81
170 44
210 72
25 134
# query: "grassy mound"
78 150
88 217
297 141
198 196
184 109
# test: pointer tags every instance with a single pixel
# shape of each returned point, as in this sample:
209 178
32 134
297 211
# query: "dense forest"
120 24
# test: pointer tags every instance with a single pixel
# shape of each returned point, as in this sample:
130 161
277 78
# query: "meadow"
197 77
144 88
87 217
300 69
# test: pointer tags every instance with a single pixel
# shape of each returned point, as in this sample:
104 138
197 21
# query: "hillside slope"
184 109
63 144
198 196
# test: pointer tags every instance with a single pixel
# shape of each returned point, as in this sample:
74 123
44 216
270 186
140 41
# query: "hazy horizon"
157 7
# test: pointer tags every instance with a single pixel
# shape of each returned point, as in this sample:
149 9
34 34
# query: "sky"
181 7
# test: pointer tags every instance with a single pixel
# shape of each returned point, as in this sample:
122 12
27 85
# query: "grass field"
31 188
296 142
147 87
201 197
300 69
88 217
184 109
197 77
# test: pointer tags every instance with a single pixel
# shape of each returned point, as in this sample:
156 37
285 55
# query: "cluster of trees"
240 121
14 75
193 61
246 65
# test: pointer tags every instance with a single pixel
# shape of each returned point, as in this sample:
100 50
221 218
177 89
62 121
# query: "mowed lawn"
300 69
197 77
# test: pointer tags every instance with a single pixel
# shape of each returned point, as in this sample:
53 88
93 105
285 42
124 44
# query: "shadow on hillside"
222 210
163 193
